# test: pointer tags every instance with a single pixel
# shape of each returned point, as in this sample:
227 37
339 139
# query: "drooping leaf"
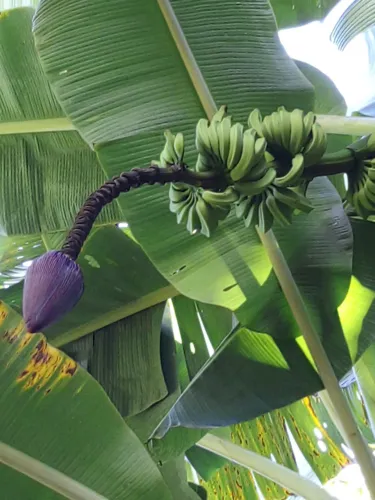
146 422
358 408
249 375
174 443
252 373
204 462
293 13
43 391
324 456
217 321
358 17
195 349
174 475
125 360
232 478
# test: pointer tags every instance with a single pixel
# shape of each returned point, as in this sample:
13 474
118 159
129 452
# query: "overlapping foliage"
121 91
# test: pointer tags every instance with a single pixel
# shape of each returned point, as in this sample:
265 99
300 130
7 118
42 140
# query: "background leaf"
41 388
364 371
358 17
125 360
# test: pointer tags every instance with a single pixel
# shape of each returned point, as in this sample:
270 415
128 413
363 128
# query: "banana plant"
88 89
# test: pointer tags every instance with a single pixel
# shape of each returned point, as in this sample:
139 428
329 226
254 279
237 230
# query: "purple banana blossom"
53 286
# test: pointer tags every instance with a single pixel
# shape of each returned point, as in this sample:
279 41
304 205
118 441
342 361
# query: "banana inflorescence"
262 166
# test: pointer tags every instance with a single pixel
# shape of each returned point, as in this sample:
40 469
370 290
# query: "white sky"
350 69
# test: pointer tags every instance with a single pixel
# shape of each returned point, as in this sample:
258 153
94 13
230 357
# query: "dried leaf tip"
53 286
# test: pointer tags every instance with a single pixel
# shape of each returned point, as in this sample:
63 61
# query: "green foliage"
121 87
39 381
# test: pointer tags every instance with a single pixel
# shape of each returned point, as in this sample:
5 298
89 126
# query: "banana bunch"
212 141
361 192
273 204
200 210
294 141
173 152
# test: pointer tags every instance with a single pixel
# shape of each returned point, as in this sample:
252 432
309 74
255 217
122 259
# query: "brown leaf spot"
3 312
13 334
43 364
69 368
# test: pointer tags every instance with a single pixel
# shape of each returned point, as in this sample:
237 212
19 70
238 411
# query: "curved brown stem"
121 184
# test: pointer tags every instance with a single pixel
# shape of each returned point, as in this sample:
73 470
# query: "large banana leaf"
54 411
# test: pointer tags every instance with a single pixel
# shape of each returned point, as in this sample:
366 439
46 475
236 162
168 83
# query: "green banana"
260 145
280 213
294 173
243 205
308 121
202 138
177 195
369 189
359 208
370 172
276 129
214 139
184 209
291 199
193 222
298 133
265 217
179 147
255 122
317 145
246 160
256 187
220 114
229 196
268 129
257 171
169 151
207 218
223 132
252 215
203 163
286 127
235 149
